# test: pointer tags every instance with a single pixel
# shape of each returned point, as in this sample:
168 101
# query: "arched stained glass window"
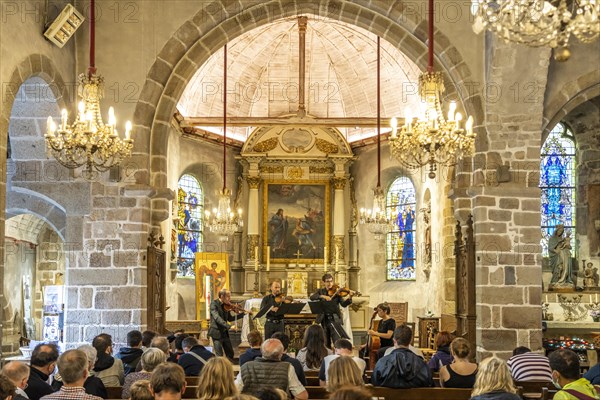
190 212
557 183
400 241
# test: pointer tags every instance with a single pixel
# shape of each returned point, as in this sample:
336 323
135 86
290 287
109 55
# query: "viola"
235 308
341 291
283 298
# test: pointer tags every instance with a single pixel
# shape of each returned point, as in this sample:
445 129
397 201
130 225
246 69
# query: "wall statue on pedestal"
559 250
590 276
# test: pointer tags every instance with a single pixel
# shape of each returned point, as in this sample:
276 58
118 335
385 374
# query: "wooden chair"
114 392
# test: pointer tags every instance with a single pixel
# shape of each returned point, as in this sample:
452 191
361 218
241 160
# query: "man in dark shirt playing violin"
219 323
332 323
273 323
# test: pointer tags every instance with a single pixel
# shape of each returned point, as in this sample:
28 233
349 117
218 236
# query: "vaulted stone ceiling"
341 77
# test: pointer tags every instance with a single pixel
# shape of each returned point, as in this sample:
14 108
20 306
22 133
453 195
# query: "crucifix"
297 254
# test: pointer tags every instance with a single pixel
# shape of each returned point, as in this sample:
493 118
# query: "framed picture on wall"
212 275
296 221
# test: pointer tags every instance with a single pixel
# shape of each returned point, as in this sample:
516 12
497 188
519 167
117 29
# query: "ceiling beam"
358 122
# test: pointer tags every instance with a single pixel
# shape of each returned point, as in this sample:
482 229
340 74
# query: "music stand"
323 307
284 308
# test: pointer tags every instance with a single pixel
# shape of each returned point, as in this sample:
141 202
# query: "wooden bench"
114 392
533 390
404 394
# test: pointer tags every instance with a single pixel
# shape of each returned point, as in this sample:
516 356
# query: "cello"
373 343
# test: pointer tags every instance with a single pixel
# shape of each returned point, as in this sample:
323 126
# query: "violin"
341 291
235 308
283 298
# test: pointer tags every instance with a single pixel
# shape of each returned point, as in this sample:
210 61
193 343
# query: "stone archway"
214 26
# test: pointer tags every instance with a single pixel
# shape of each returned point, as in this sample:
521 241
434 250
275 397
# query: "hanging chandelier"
429 138
88 141
376 219
223 221
538 23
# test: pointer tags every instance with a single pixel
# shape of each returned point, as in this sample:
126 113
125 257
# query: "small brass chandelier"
223 221
538 23
376 219
88 141
430 139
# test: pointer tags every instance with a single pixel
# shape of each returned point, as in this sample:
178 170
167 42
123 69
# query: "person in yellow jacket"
564 364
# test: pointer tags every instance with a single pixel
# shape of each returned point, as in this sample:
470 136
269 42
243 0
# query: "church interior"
261 147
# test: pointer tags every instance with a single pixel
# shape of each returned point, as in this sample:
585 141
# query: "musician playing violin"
273 323
332 323
221 313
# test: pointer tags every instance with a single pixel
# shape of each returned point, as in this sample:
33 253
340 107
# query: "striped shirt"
530 367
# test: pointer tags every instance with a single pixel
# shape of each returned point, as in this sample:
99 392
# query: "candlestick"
207 295
337 268
256 258
546 299
268 258
325 259
596 297
283 286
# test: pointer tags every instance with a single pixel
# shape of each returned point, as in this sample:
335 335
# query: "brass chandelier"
88 141
223 221
431 139
538 23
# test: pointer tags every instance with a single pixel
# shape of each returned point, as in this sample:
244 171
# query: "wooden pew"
404 394
114 392
192 380
534 389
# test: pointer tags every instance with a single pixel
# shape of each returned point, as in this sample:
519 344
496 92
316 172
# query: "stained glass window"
557 183
400 241
190 212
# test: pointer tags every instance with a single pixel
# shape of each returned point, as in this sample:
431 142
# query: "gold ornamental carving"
271 169
266 145
252 243
320 170
295 173
253 182
326 147
338 241
339 183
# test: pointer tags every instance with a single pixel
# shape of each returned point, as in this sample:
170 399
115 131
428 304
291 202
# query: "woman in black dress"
385 329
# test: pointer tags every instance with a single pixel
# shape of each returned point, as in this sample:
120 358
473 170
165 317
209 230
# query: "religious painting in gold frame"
296 221
211 269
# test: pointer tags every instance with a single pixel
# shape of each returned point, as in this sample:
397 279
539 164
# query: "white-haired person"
151 358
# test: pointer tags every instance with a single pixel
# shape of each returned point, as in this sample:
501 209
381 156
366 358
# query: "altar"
295 328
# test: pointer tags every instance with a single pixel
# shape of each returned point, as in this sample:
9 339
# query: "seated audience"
43 361
179 345
132 354
402 368
241 396
528 366
343 371
73 368
494 382
140 390
564 364
442 356
285 341
593 375
269 393
412 348
195 356
254 340
147 337
151 359
351 393
18 373
216 380
462 372
7 388
162 343
107 368
314 351
269 370
167 382
92 385
342 347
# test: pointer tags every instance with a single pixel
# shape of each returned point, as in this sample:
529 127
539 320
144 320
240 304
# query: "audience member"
107 368
162 343
269 393
7 388
168 382
313 352
494 382
412 348
140 390
351 393
268 370
285 341
241 396
92 385
462 372
593 375
525 365
564 364
179 345
18 373
402 368
43 361
216 380
132 354
195 357
342 347
254 340
343 371
151 359
147 337
73 369
442 356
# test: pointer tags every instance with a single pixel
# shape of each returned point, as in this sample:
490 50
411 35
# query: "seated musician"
273 323
384 332
332 323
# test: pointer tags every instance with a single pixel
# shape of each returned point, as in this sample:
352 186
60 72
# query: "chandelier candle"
256 258
325 259
268 258
337 268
